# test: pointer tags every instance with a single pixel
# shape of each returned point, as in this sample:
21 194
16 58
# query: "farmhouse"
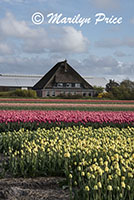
63 79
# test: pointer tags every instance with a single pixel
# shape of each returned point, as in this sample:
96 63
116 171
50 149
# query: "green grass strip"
68 108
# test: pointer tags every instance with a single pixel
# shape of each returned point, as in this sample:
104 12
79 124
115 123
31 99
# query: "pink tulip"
66 116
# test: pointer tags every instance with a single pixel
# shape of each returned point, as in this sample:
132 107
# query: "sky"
103 46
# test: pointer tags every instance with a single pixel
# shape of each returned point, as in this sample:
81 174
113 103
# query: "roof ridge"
68 74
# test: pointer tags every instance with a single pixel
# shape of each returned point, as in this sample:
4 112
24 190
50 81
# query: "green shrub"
25 93
32 93
19 93
6 94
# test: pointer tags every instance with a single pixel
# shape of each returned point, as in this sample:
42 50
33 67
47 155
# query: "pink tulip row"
66 116
66 105
66 100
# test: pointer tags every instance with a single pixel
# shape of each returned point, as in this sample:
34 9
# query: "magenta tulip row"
66 116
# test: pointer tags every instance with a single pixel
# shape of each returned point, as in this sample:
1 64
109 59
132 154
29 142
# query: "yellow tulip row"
98 163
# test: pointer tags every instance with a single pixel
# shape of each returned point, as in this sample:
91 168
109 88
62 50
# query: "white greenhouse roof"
96 81
9 80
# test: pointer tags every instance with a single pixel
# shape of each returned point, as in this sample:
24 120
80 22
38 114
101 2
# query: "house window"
48 94
59 84
53 93
73 84
68 85
77 85
84 94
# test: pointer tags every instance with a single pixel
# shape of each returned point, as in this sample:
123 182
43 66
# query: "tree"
128 84
110 85
124 91
98 90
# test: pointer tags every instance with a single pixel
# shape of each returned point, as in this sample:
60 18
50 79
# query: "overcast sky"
102 50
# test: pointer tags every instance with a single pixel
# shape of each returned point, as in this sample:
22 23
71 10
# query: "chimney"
65 65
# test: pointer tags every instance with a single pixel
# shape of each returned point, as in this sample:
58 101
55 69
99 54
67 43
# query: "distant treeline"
122 91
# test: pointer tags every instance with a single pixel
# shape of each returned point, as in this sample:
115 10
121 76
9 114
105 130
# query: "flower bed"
70 105
66 116
28 119
97 163
65 100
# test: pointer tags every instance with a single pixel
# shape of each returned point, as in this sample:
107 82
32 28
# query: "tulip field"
93 150
32 119
66 104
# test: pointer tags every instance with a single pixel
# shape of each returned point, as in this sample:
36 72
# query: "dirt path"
32 189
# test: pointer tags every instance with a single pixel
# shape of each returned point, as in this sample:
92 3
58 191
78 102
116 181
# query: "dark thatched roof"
62 72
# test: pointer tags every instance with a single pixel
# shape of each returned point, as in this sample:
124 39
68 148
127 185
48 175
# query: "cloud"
132 20
14 1
5 49
115 42
120 54
106 66
10 27
106 4
99 64
108 43
24 1
39 40
27 65
129 42
66 40
73 40
17 64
